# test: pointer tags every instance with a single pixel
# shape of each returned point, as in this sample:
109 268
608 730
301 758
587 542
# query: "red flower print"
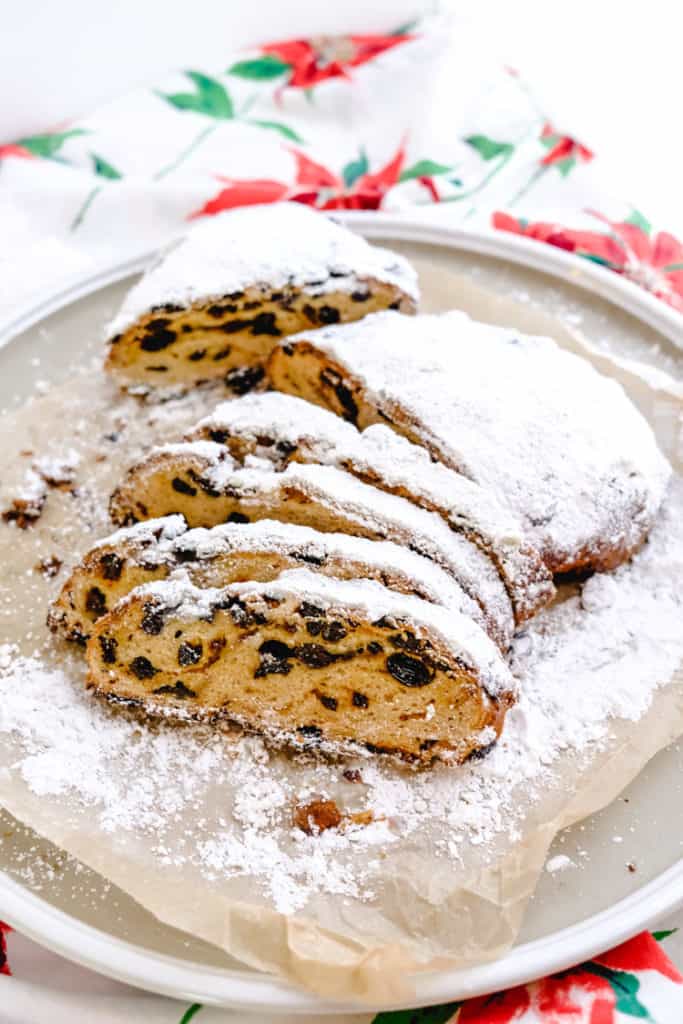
500 1008
562 149
356 188
642 953
304 63
655 262
4 966
579 997
14 150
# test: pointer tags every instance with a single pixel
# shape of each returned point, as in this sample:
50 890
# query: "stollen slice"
381 672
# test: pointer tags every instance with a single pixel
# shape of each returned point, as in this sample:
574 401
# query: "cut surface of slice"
558 442
199 481
281 428
382 671
220 298
232 553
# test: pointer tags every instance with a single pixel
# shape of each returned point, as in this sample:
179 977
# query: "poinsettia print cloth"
636 982
416 119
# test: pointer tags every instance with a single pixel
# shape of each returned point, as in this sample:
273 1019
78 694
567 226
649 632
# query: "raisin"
185 555
157 369
352 775
359 700
238 517
222 353
385 623
274 659
167 307
310 730
408 671
309 611
182 487
265 323
108 645
331 703
313 627
374 647
328 315
112 566
314 655
311 314
142 667
189 654
157 339
276 648
243 378
252 304
481 752
285 447
395 305
333 631
331 378
177 690
152 621
95 601
219 436
218 309
360 296
197 355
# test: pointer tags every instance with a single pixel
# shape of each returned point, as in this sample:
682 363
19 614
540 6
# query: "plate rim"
247 989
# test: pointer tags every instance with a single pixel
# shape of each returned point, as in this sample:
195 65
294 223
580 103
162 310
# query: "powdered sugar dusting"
595 658
166 541
537 425
272 422
229 252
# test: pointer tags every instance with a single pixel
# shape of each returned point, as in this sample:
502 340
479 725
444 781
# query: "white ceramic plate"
575 914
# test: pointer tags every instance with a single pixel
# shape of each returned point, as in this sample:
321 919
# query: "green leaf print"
488 148
211 98
190 1013
48 145
660 936
638 220
104 169
625 987
424 169
427 1015
282 129
355 169
260 69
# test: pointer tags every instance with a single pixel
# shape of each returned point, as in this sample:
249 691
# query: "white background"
608 70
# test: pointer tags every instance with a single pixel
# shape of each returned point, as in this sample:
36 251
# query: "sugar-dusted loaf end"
308 661
234 553
216 303
536 425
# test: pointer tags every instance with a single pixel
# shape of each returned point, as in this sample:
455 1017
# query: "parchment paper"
428 914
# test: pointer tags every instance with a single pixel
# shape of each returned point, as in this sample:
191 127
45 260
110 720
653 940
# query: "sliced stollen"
216 302
561 444
233 553
199 480
380 671
282 429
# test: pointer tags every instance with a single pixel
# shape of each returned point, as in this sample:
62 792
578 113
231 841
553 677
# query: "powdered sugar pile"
224 804
226 254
